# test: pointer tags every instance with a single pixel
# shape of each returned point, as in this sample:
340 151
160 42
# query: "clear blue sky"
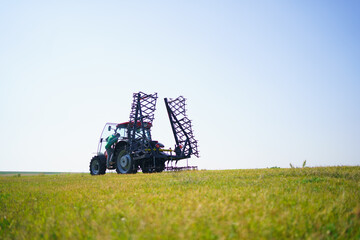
268 83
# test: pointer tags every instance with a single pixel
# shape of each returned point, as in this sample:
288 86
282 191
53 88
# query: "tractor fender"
120 145
101 156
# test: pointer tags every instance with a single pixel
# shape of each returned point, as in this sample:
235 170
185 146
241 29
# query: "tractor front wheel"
98 165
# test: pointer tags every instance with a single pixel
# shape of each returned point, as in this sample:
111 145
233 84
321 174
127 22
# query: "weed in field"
304 164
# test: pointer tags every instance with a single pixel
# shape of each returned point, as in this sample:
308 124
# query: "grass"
11 173
296 203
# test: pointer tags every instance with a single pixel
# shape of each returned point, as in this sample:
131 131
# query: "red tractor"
128 146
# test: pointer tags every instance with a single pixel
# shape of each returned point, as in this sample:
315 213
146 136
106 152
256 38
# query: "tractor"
128 147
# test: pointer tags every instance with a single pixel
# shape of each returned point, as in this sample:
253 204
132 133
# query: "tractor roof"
126 124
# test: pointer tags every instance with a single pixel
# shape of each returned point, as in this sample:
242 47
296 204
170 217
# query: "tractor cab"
110 129
122 131
140 132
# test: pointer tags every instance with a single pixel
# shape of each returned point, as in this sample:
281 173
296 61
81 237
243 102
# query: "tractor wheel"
146 167
160 167
124 164
98 165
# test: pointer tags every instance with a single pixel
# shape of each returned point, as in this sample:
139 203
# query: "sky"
267 83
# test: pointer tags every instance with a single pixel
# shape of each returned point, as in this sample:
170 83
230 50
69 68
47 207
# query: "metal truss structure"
186 144
141 118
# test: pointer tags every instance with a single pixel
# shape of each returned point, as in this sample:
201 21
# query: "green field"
295 203
11 173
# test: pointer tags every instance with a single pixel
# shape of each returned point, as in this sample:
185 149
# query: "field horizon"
14 172
296 203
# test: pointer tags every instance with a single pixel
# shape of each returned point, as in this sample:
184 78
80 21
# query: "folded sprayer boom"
181 127
142 113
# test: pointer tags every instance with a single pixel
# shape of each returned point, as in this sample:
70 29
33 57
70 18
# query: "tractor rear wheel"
98 165
124 164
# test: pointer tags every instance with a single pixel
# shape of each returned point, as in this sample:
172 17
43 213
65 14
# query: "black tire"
146 167
98 165
160 167
124 163
145 170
